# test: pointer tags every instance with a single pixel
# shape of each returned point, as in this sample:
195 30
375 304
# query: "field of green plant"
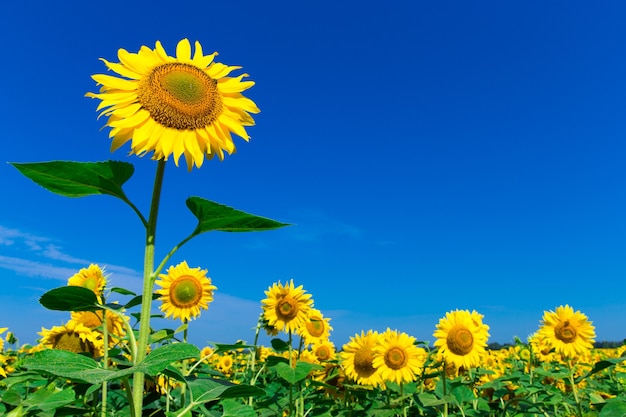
108 360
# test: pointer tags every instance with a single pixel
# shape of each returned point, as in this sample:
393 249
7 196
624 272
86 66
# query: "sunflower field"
108 360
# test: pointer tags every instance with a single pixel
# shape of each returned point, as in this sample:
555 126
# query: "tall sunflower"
187 105
462 338
286 307
324 350
570 333
91 278
74 337
184 291
397 358
357 358
316 328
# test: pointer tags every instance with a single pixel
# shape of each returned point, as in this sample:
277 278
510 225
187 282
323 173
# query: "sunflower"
185 291
397 358
286 307
357 358
174 106
94 320
324 350
316 328
91 278
462 338
570 333
74 337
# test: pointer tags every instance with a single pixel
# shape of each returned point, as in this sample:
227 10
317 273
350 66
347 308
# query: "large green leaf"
70 298
68 365
293 375
159 358
78 179
215 216
80 368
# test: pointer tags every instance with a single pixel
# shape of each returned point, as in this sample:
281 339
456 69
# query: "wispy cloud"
47 259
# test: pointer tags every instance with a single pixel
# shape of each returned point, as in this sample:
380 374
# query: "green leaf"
78 179
600 365
159 358
56 400
122 291
70 298
234 409
68 365
214 216
614 407
293 375
219 347
237 391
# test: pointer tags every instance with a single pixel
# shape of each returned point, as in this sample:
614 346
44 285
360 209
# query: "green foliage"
214 216
79 179
70 298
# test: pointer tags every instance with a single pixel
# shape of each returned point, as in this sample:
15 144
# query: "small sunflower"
186 105
74 337
91 278
324 350
185 291
397 358
570 333
357 358
462 338
286 307
94 321
316 328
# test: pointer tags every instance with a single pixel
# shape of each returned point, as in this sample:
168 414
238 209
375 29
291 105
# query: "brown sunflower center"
72 342
287 308
460 340
565 332
185 291
315 327
363 360
180 96
395 358
323 353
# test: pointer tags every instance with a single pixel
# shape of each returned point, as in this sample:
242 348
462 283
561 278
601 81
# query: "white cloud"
53 252
37 269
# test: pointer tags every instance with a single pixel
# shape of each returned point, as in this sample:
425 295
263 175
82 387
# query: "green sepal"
70 298
214 216
79 179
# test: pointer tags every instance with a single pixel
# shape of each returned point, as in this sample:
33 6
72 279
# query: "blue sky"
431 156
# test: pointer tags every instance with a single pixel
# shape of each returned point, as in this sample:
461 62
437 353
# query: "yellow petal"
110 82
183 50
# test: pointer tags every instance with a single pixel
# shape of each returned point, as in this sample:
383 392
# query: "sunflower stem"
148 285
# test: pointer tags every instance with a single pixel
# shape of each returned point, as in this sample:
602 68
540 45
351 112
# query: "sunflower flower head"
286 307
184 291
461 338
568 332
357 358
92 278
74 337
95 321
173 106
397 358
316 328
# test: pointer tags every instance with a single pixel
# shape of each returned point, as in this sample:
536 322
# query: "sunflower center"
395 358
91 283
363 360
565 332
180 96
460 340
287 309
72 342
315 327
185 291
323 353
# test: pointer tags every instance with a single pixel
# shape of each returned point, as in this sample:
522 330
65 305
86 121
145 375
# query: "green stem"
574 390
148 285
105 361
